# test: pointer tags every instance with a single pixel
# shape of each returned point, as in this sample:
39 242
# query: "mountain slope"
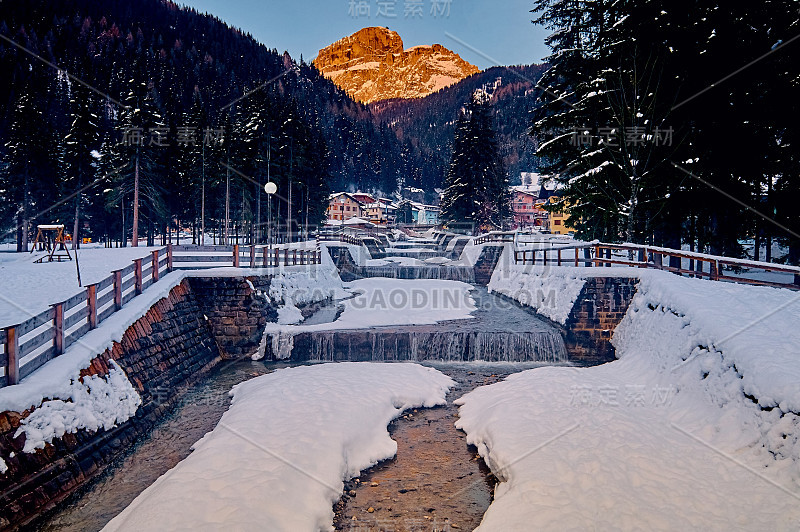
371 65
184 58
428 123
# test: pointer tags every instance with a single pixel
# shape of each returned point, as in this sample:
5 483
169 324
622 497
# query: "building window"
557 222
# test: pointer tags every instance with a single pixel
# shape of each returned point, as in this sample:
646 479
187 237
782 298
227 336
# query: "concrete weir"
500 332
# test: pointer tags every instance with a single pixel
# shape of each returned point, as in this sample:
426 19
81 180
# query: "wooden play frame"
55 247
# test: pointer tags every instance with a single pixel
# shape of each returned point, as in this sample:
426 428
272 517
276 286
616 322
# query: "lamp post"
270 188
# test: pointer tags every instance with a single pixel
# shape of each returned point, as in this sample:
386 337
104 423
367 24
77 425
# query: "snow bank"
359 254
380 302
552 292
94 404
303 287
278 457
695 426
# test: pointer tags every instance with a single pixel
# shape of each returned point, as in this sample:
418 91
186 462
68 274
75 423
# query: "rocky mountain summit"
372 65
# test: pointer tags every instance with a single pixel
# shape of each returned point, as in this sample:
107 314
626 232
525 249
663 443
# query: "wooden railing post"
91 302
169 257
658 260
155 266
252 256
236 255
294 257
117 289
577 252
58 329
265 257
559 257
286 257
137 276
715 270
12 356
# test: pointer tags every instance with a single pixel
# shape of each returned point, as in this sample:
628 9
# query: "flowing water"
436 480
465 274
196 413
501 331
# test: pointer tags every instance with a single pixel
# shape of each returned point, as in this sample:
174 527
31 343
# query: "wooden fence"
671 260
196 257
47 335
495 236
339 237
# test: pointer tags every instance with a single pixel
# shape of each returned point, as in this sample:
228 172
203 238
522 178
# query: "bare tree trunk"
227 203
20 223
25 213
135 236
203 201
76 224
124 239
757 244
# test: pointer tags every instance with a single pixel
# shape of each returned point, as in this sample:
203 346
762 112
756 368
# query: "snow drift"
695 426
278 457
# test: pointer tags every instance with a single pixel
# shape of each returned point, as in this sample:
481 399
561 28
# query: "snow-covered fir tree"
476 183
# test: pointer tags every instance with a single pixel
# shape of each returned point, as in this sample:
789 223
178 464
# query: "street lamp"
270 188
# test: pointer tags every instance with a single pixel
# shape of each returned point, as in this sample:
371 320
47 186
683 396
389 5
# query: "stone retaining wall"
600 307
169 347
236 312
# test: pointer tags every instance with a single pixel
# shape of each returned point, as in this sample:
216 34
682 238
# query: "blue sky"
484 32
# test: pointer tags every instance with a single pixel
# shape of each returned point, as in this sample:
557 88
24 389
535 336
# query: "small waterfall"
464 274
282 345
281 342
421 344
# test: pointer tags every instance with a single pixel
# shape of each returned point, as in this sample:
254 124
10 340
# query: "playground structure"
51 238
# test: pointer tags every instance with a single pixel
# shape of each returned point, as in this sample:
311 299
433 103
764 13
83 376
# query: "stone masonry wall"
600 307
486 263
164 350
236 313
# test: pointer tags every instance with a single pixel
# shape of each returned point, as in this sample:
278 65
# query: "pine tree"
24 170
476 183
140 129
79 146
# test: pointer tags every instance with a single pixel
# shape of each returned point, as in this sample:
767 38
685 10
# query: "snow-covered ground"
696 426
26 289
278 457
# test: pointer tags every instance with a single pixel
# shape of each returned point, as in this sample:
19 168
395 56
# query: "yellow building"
558 219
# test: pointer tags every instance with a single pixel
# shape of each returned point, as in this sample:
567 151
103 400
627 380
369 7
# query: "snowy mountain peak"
372 65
